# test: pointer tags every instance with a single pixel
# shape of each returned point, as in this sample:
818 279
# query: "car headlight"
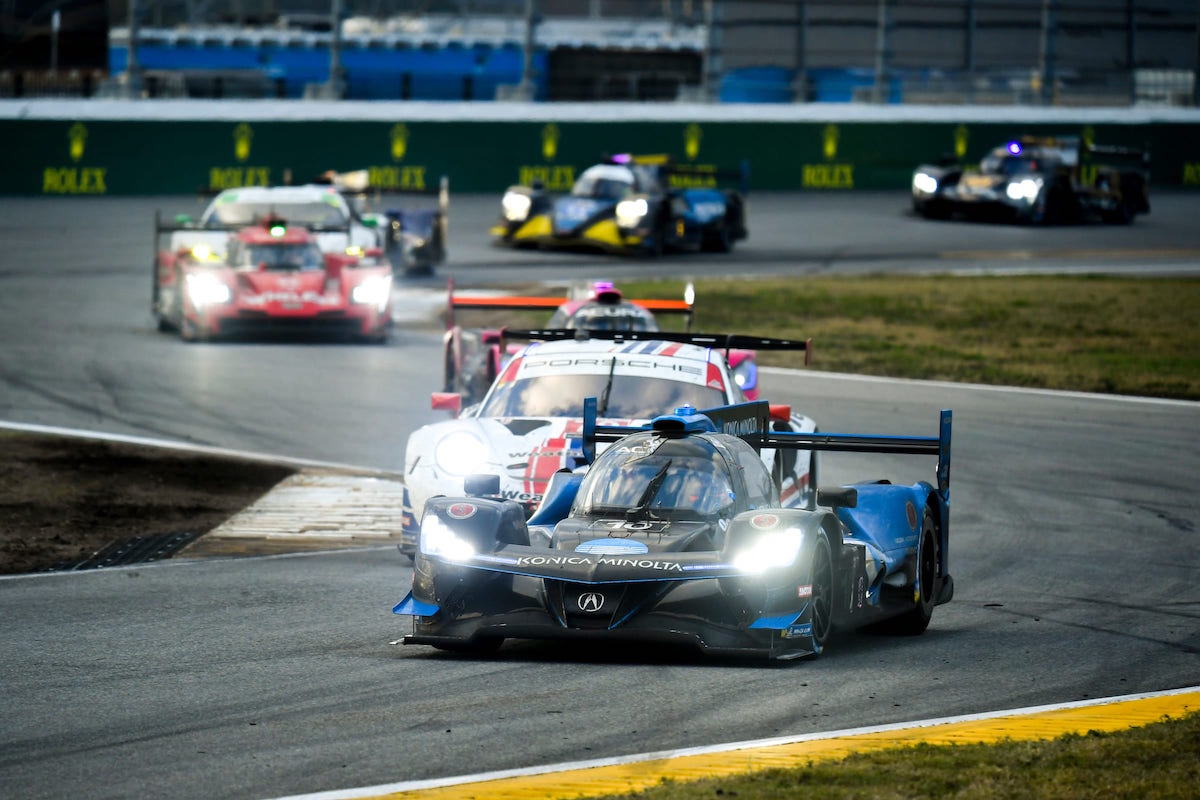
745 374
924 183
438 539
374 291
204 290
1026 189
460 453
630 212
516 206
770 551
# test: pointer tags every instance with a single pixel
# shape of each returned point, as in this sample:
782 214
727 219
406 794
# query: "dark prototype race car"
1039 180
630 204
675 534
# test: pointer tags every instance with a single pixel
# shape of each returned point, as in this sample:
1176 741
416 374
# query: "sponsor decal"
764 522
798 631
804 590
555 178
595 366
585 561
291 299
399 138
591 602
397 177
75 179
612 547
911 511
220 178
462 510
829 175
691 140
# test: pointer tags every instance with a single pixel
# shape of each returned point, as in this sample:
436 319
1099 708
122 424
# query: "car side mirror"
446 401
481 485
838 497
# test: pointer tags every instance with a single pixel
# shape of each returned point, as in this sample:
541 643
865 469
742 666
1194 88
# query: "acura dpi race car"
412 240
1039 180
676 534
272 277
629 204
522 430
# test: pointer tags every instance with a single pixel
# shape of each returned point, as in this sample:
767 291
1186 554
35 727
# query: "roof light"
278 229
622 158
1014 148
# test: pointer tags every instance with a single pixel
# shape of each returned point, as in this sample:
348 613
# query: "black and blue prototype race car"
632 205
675 534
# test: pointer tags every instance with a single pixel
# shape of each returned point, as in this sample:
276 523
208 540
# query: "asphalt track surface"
1073 546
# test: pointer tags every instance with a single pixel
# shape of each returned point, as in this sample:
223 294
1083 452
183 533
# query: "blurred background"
1064 53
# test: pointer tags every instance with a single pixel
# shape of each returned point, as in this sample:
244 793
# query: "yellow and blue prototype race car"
642 205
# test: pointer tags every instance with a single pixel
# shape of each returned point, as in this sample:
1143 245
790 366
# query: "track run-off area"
1073 531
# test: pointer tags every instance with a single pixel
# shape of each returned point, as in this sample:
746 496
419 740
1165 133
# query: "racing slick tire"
915 621
718 240
821 576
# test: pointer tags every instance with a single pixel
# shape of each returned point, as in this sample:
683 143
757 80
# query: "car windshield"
652 476
631 396
311 214
607 182
597 317
280 257
1007 165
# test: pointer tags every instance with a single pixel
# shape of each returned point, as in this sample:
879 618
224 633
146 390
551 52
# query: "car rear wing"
751 422
719 341
533 303
689 176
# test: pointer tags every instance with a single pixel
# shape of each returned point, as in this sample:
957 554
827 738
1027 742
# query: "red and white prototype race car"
528 425
473 358
272 278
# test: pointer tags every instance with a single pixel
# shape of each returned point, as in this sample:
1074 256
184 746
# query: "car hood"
575 213
617 535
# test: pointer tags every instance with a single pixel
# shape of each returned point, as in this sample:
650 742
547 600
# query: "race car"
272 277
473 358
522 428
1039 180
412 240
630 204
675 534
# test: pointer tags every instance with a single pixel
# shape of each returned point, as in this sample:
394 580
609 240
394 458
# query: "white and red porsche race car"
527 426
272 278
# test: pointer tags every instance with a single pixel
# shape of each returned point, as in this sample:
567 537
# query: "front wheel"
821 602
916 620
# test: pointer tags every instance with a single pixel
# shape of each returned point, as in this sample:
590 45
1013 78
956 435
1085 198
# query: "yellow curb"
639 775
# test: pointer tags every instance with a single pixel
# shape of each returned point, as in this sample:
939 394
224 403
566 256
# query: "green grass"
1156 762
1136 336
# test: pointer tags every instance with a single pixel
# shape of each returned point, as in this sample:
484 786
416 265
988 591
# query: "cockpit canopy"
650 475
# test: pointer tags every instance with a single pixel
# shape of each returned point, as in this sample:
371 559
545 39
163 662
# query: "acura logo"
591 602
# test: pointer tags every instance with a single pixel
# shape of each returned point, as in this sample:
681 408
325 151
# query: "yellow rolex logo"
550 136
691 141
78 136
960 141
1088 136
831 142
399 136
242 135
